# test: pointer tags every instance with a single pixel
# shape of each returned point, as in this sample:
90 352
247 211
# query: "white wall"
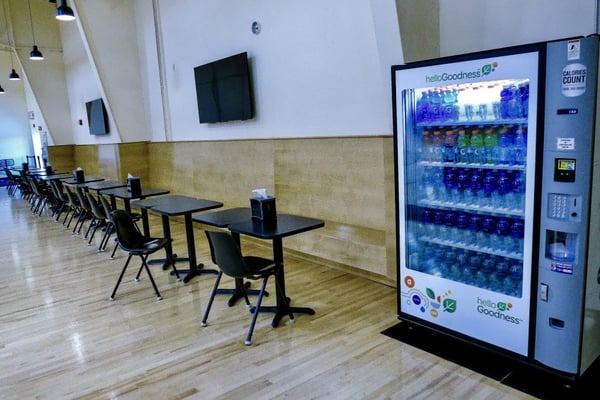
14 143
315 65
473 25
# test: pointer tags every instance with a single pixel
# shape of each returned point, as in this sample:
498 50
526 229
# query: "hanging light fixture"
64 12
35 53
2 90
13 76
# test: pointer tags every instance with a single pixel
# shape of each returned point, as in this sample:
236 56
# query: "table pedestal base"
237 293
280 313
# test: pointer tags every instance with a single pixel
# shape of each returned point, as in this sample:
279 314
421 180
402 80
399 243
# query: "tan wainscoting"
347 181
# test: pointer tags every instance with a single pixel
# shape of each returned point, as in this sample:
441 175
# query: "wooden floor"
61 337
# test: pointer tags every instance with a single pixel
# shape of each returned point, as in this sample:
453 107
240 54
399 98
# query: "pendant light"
64 12
35 53
13 76
2 90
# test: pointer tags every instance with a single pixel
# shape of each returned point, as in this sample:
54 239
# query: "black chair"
74 205
227 255
101 220
111 226
131 240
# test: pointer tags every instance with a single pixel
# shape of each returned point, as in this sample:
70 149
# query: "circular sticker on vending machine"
574 78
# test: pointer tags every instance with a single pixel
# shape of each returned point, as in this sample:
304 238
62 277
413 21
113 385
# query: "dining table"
179 205
283 226
127 196
222 219
86 179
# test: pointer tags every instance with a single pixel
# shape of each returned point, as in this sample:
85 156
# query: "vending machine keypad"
557 206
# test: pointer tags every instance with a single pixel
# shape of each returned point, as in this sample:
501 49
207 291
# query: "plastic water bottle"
428 183
443 227
504 188
475 228
427 223
426 146
437 145
505 147
520 146
422 107
517 231
490 188
490 145
450 267
518 191
462 183
462 226
439 190
451 229
474 266
435 106
514 280
447 105
475 148
489 228
451 184
474 191
498 281
450 143
439 220
514 103
462 261
462 146
504 233
505 96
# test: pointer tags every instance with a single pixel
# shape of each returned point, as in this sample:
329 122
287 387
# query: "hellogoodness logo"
428 301
486 69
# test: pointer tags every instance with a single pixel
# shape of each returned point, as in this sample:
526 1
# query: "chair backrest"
106 205
97 208
72 198
128 235
226 253
58 190
83 200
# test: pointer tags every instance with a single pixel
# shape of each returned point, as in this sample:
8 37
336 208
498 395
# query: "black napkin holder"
25 166
79 176
48 169
134 186
263 209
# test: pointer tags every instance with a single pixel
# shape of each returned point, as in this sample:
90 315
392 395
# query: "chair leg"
114 250
112 296
256 310
211 298
145 265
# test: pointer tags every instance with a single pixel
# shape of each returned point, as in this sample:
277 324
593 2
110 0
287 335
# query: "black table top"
222 218
101 185
56 175
123 193
86 179
176 204
285 225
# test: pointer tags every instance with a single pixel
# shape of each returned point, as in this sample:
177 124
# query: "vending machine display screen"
564 170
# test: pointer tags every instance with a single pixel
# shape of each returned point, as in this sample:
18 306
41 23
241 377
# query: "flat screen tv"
223 90
97 117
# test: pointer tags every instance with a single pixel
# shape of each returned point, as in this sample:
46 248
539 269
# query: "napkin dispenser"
134 186
79 176
49 170
263 209
25 166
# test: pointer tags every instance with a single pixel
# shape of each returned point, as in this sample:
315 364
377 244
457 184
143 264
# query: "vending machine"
497 200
